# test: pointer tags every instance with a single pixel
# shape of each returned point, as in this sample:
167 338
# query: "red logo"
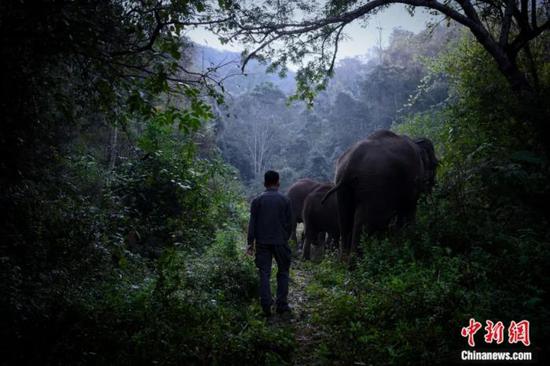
494 332
519 332
470 331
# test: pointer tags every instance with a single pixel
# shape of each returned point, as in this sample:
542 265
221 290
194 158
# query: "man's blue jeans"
264 255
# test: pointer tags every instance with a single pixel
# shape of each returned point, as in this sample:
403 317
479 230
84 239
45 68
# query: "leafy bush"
410 294
148 270
187 314
479 248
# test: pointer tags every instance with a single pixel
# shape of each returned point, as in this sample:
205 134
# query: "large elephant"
297 194
320 219
380 178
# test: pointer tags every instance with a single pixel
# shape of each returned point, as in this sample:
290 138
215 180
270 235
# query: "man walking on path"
269 228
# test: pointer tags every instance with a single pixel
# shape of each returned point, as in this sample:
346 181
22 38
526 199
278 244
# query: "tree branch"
506 22
465 12
255 52
534 14
470 20
331 68
525 36
149 45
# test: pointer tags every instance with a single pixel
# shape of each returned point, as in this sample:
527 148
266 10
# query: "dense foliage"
135 276
120 226
480 247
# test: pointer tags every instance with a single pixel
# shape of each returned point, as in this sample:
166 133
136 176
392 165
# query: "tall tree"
253 132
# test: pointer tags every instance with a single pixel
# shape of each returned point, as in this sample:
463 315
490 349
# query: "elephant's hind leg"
406 215
294 237
310 238
346 212
319 247
360 220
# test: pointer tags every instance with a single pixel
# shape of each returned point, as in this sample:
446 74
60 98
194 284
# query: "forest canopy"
503 28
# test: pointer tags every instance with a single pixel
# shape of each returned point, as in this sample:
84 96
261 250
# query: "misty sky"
359 39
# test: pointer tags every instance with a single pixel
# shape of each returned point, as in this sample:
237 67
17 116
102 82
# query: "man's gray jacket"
270 218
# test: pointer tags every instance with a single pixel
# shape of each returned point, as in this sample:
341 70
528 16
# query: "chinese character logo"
519 332
470 331
494 332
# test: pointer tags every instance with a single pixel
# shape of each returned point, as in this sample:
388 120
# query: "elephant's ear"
427 152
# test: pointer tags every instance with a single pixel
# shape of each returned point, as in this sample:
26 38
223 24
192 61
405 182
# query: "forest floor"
306 334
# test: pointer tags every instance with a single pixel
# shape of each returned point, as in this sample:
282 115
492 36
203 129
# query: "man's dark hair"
271 178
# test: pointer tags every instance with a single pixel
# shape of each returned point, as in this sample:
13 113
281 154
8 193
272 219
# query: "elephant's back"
323 214
384 158
317 194
301 188
297 193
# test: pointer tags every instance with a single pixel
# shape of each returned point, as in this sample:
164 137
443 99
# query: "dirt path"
306 334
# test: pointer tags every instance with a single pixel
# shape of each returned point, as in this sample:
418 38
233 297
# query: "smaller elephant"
320 219
297 194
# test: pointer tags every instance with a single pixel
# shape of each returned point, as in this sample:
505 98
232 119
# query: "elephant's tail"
332 190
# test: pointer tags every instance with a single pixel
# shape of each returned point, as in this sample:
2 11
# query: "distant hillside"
257 129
